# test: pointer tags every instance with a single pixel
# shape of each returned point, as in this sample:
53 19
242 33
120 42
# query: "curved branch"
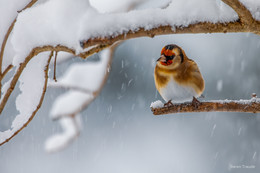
245 24
19 71
8 68
97 92
40 102
94 93
247 106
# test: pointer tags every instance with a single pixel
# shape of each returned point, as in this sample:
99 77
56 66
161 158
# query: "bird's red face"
166 57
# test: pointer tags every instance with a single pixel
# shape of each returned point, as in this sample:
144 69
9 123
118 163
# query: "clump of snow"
113 5
87 76
84 79
241 101
254 98
69 103
154 4
51 23
9 11
71 128
156 104
253 6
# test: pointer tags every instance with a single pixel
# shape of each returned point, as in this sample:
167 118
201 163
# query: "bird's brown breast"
187 74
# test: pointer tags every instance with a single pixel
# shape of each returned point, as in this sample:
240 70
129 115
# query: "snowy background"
120 133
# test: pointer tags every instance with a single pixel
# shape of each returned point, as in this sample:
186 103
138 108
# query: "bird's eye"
170 57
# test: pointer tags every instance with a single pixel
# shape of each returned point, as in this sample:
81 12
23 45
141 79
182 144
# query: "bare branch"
248 106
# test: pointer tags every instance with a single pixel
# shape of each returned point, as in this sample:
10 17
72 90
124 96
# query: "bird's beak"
162 59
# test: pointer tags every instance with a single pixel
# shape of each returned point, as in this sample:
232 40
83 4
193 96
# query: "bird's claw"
169 103
195 102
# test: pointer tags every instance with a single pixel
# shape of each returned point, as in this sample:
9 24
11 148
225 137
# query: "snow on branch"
71 128
248 106
83 84
203 17
4 42
36 51
83 87
33 85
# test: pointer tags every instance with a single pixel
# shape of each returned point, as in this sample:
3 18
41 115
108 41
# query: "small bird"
178 78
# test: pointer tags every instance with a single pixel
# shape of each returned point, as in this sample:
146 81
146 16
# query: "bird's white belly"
177 93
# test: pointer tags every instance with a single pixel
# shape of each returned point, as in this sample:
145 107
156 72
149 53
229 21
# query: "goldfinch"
177 78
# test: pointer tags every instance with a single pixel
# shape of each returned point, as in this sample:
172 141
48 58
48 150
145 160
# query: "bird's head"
171 57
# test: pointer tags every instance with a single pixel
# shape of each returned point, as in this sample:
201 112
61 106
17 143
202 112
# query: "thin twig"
55 63
8 68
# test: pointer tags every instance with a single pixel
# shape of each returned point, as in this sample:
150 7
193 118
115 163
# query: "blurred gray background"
121 135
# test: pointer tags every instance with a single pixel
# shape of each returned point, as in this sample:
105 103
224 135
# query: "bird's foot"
195 102
169 103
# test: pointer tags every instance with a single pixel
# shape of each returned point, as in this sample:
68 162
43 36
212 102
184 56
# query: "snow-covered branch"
243 21
28 104
248 106
82 92
22 66
6 36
